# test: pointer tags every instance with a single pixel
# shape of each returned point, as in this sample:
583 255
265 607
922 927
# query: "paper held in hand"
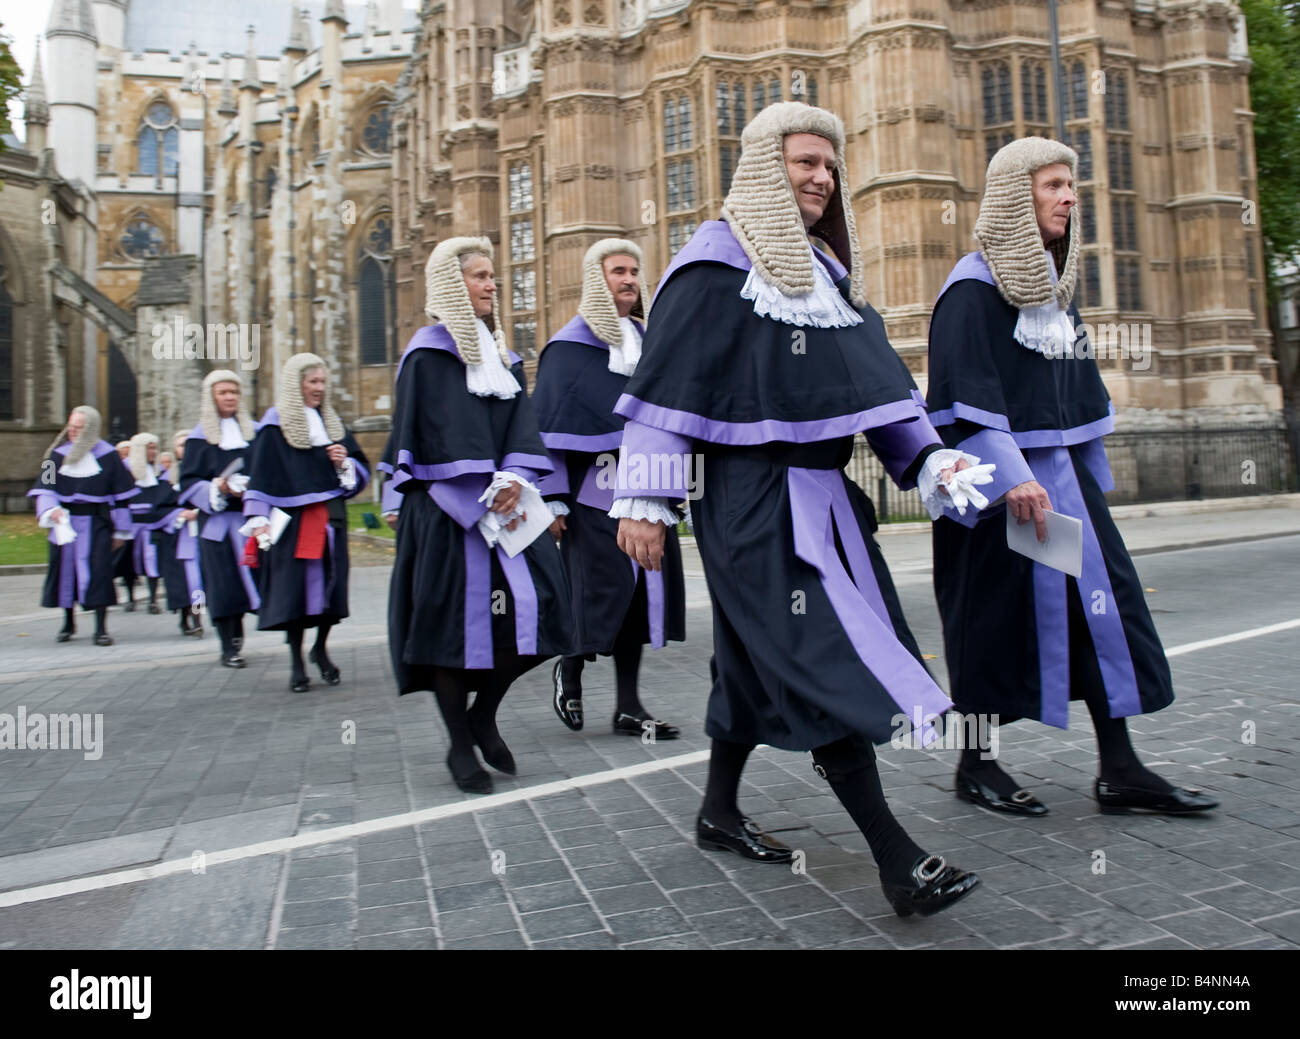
1063 549
513 542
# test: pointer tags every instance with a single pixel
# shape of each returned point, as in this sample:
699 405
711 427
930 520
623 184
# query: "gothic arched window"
374 135
158 143
372 293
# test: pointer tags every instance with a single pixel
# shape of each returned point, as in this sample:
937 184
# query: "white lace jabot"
623 358
1047 329
489 378
316 428
87 466
231 437
824 307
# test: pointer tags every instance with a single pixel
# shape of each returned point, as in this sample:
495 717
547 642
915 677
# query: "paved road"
203 771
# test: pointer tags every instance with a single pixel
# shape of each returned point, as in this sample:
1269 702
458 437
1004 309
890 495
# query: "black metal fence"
1148 467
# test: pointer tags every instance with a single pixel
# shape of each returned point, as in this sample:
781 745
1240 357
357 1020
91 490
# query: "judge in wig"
304 465
151 513
464 613
82 496
1014 379
617 608
178 550
213 478
762 356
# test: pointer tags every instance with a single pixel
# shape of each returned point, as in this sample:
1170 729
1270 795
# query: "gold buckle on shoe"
819 770
1022 797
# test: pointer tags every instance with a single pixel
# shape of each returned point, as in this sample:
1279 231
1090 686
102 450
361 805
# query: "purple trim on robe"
972 267
656 449
520 580
833 266
220 524
578 331
592 493
712 242
45 500
992 445
437 337
517 459
74 563
444 470
362 476
97 450
745 433
819 506
391 498
295 501
87 499
144 553
1093 454
1053 468
478 601
898 444
198 494
654 597
556 482
459 499
253 507
1030 437
590 444
121 517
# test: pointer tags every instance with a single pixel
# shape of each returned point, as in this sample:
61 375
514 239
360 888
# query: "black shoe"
1022 802
103 638
1119 800
475 782
748 842
65 634
631 725
130 606
934 886
155 608
495 752
232 660
567 708
328 671
299 684
194 632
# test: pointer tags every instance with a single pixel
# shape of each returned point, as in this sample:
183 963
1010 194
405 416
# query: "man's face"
151 453
622 274
1054 197
226 396
313 387
481 283
76 423
178 447
810 162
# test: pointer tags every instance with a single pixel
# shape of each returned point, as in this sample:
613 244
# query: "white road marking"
175 867
1223 640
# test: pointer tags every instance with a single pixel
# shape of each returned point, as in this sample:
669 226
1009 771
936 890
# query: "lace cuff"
655 510
216 500
558 508
960 488
348 475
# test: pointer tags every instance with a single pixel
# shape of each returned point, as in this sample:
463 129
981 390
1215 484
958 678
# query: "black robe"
153 512
1012 627
228 587
82 571
453 603
178 558
810 643
300 592
574 399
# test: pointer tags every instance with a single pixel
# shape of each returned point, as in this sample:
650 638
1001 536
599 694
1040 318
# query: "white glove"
960 486
348 474
238 483
62 525
259 527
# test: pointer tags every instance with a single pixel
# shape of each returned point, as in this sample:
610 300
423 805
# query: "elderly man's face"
622 274
226 397
481 283
151 453
810 162
76 423
313 387
1054 197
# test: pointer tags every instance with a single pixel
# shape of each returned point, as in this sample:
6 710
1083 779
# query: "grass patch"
355 522
22 541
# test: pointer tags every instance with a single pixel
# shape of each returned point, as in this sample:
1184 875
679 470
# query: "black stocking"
850 767
452 694
482 716
70 619
293 636
152 582
571 671
975 765
101 620
726 763
318 651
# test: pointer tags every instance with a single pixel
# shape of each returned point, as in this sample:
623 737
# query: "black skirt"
304 592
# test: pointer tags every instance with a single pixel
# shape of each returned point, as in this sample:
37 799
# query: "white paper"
279 520
1063 549
538 521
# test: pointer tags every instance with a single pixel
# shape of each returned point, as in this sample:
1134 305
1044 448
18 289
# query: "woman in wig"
304 465
464 614
213 478
178 551
81 496
151 512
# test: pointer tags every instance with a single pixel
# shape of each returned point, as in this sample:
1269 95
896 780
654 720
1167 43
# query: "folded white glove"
238 483
961 486
491 524
63 532
348 475
259 527
558 508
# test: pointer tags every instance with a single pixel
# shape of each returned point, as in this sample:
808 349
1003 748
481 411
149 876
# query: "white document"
1063 549
538 521
279 520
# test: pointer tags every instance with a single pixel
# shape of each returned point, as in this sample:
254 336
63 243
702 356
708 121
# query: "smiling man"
580 377
1012 380
762 355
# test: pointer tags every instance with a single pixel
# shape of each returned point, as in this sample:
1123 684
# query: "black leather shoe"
1120 800
194 632
935 885
1022 802
476 782
103 639
631 725
748 842
298 684
328 672
567 708
494 751
232 660
64 635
